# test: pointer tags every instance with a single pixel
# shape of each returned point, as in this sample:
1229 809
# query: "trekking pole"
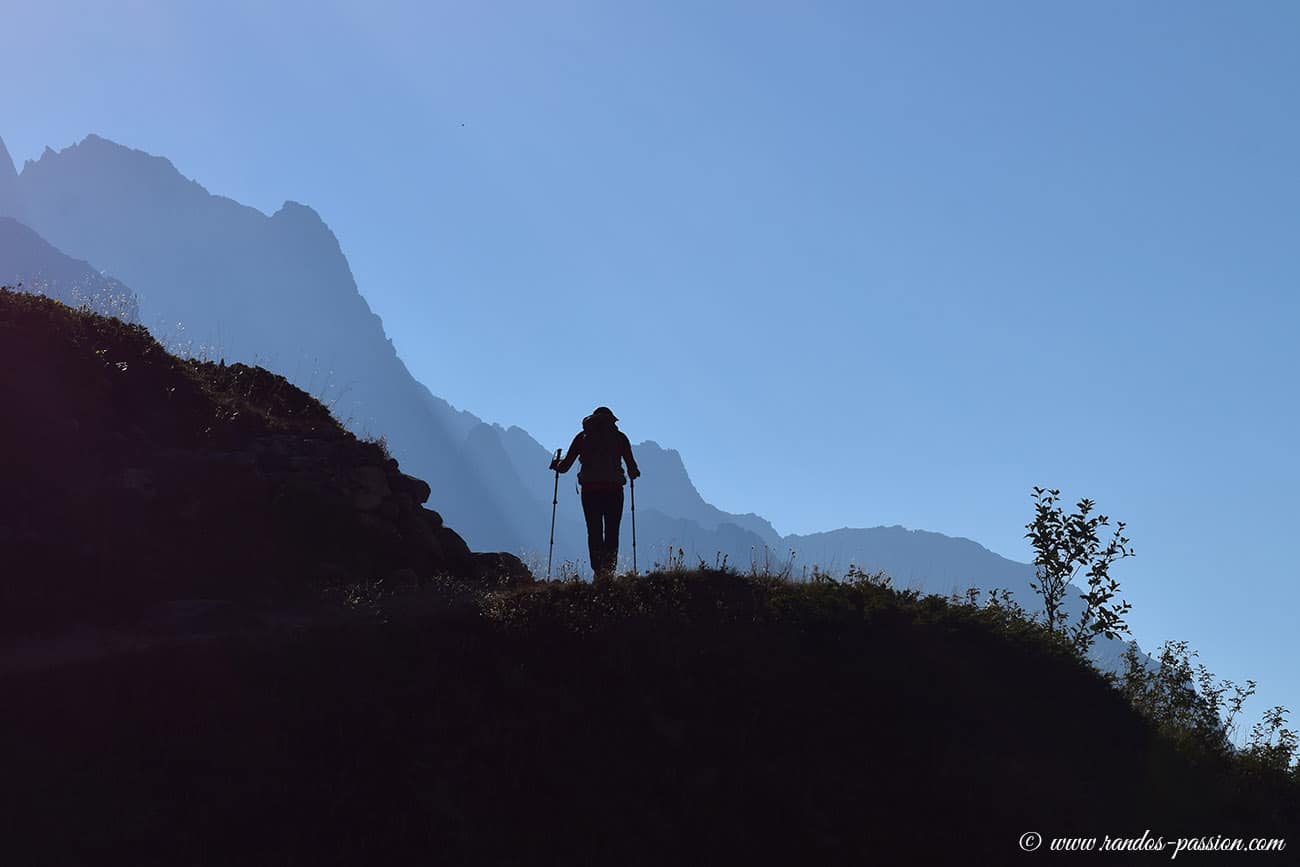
633 483
555 499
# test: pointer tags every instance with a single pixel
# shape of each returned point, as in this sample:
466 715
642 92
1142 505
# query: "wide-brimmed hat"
604 410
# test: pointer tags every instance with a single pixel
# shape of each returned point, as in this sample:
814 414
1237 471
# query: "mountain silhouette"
220 280
10 201
217 279
29 262
232 632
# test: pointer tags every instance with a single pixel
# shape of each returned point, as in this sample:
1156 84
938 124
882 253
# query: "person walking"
603 449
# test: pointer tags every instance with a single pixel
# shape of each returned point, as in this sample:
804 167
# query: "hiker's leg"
592 511
613 516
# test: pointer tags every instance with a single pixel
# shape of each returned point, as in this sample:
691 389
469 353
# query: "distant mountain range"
35 266
214 278
27 260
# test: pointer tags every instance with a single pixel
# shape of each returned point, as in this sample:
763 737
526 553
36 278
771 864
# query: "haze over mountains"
218 279
30 262
10 202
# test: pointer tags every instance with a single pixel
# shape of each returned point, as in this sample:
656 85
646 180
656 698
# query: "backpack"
602 452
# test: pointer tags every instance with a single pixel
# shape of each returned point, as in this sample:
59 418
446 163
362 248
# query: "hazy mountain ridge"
29 262
278 291
221 280
675 494
10 200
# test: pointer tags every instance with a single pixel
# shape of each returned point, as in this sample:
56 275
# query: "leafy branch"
1067 546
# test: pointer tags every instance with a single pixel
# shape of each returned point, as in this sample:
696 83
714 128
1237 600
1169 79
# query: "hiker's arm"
632 470
575 449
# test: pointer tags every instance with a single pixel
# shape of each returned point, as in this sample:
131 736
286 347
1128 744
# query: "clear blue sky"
860 263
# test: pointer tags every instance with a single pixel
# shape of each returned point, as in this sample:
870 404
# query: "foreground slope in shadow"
133 478
679 718
702 718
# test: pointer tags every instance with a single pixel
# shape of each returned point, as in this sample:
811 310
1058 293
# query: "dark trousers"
604 511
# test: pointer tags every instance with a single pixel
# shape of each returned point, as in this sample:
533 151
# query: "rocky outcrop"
501 569
133 477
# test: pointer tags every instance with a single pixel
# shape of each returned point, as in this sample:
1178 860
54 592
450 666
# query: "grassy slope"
112 455
678 718
133 477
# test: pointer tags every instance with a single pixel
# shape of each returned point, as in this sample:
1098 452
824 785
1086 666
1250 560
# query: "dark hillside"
675 718
132 477
696 718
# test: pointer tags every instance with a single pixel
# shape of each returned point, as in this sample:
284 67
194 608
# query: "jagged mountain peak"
97 168
99 149
303 225
298 212
10 200
6 162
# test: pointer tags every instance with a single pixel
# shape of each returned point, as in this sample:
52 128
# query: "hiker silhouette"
601 447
